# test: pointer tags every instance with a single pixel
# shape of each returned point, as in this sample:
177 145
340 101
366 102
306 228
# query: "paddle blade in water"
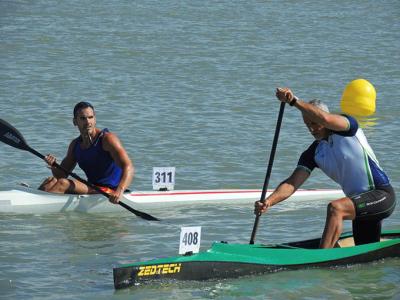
11 136
138 213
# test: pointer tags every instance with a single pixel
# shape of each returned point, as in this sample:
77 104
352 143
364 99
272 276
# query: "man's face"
86 121
318 131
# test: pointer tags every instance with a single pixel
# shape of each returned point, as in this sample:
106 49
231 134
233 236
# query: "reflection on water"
79 227
367 122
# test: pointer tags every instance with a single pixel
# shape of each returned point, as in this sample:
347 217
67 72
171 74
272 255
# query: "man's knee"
62 185
54 185
332 208
341 208
48 183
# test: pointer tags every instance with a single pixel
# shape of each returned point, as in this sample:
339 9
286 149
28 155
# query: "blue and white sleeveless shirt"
347 158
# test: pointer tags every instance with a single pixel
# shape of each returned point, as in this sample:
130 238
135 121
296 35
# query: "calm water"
188 84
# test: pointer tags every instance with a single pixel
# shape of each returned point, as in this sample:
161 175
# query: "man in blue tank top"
99 153
342 152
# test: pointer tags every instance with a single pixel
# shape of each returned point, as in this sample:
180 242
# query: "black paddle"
12 137
271 162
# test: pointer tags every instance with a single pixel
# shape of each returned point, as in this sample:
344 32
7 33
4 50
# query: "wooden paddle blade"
11 136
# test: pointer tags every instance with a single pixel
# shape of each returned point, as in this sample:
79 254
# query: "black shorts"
376 204
371 208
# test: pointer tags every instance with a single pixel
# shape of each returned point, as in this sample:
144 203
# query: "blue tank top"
98 164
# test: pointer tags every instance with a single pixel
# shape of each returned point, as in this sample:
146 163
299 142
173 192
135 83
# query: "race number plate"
163 178
190 240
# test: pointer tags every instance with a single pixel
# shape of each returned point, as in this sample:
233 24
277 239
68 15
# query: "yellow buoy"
358 98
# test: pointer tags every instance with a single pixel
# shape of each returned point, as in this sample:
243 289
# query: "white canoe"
28 200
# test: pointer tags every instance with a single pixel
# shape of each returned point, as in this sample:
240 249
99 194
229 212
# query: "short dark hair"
82 105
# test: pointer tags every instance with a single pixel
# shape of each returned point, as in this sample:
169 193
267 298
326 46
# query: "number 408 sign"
190 240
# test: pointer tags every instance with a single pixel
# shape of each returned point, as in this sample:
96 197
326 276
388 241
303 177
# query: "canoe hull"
236 260
28 200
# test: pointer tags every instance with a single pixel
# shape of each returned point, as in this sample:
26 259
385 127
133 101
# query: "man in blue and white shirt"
342 152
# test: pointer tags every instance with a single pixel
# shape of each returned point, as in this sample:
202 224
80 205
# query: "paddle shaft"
99 190
69 173
269 169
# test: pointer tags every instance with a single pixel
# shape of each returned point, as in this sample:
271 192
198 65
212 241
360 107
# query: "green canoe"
225 260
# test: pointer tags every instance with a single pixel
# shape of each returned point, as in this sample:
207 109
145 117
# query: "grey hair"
321 105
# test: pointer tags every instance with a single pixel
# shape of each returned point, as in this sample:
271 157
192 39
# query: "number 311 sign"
163 178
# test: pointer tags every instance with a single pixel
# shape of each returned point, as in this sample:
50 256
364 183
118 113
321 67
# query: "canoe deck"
227 196
225 260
